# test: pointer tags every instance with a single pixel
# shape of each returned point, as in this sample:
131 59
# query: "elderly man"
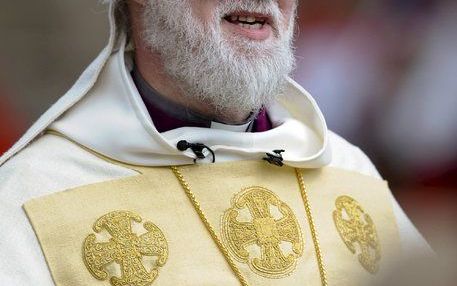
184 155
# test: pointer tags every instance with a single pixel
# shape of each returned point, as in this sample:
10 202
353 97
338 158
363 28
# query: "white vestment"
104 113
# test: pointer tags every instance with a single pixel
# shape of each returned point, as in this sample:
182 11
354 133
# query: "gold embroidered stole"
143 230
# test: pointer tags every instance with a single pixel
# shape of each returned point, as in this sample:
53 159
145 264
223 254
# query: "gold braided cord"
208 226
224 250
320 260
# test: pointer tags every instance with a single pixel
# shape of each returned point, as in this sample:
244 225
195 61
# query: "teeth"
256 26
247 22
251 26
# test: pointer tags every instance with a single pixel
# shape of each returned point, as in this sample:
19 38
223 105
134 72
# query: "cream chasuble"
144 230
245 220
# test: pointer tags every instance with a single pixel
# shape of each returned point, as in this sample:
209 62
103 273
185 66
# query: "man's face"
228 53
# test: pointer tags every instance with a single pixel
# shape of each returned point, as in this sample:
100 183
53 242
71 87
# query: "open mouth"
248 21
252 25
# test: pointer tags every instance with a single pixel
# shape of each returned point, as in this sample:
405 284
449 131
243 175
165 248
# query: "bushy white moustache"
229 73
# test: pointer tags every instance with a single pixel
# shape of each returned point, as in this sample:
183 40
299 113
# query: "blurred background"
383 72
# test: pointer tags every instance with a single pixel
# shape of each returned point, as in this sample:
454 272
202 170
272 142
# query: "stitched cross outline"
357 228
126 249
264 230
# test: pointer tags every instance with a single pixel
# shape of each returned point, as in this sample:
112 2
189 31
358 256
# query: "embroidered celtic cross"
126 249
357 228
264 228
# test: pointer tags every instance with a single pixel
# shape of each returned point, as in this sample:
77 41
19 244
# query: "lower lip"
254 34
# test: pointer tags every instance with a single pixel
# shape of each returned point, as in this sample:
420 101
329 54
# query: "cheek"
203 10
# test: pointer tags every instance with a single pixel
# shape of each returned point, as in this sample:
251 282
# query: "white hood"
104 112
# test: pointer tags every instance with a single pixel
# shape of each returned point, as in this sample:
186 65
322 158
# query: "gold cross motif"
270 225
126 249
357 228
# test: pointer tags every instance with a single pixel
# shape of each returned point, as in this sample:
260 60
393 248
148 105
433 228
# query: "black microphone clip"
197 148
276 158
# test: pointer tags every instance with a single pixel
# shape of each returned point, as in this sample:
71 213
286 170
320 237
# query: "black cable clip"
276 158
197 148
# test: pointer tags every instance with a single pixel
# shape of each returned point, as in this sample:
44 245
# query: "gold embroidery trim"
126 249
224 250
357 228
263 230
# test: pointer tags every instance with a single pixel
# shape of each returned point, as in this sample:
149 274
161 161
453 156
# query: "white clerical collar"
234 128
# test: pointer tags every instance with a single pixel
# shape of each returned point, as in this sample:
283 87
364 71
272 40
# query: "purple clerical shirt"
167 115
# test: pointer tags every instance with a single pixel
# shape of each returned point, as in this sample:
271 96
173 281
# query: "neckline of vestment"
113 120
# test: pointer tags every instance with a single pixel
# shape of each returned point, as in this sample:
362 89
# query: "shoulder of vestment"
350 157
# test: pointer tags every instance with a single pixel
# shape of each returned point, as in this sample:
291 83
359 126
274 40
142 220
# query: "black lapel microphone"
276 158
197 148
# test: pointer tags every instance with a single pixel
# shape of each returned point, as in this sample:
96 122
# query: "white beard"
229 74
